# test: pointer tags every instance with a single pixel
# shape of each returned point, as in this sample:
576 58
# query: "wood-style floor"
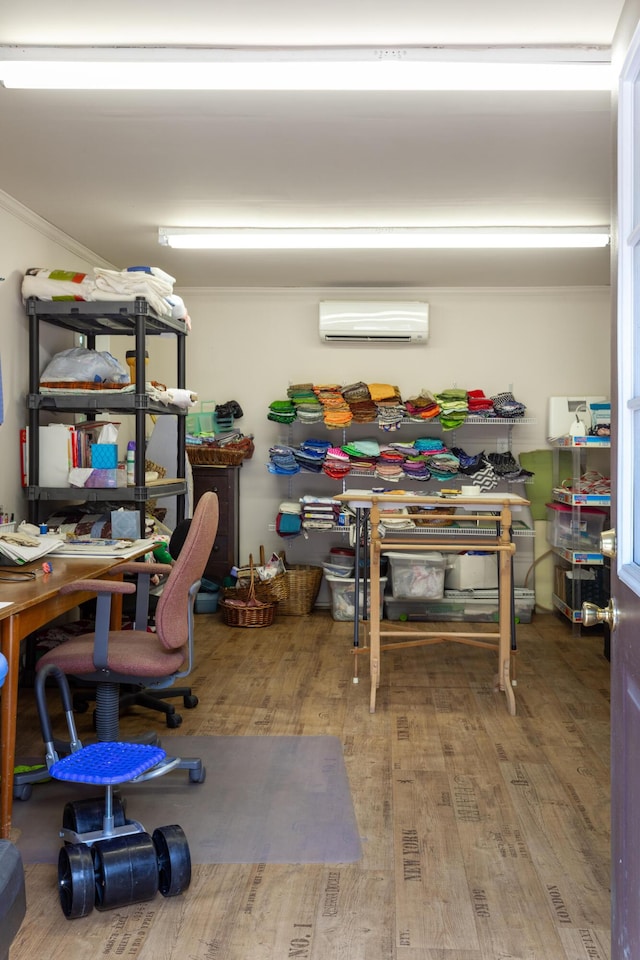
485 836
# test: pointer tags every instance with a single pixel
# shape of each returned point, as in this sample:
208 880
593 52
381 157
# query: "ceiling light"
306 68
381 238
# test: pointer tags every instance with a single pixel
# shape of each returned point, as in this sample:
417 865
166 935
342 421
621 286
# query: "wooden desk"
34 603
483 507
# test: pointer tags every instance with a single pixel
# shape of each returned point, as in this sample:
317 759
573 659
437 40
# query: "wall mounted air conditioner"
374 321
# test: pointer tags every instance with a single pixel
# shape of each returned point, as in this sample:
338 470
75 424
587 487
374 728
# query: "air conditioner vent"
376 321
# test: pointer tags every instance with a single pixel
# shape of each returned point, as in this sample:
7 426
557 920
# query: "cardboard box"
472 571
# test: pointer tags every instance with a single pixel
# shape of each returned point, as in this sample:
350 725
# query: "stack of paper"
19 548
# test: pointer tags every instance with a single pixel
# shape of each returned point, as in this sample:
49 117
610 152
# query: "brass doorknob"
608 544
593 614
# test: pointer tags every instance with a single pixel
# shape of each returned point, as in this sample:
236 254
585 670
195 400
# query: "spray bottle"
131 463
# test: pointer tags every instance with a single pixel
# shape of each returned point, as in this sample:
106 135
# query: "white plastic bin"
343 598
417 576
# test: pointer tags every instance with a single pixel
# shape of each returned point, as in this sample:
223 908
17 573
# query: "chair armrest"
130 566
98 586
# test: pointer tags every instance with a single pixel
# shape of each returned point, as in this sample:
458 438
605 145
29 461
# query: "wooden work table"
496 507
33 603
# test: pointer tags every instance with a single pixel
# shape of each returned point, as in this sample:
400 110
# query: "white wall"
250 345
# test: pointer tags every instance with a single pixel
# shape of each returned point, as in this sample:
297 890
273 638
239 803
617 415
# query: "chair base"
145 697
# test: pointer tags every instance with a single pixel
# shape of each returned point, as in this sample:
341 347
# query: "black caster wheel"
126 870
76 880
173 720
198 776
80 705
190 701
174 860
22 791
85 816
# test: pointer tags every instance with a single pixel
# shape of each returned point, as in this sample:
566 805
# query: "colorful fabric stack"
389 405
282 411
307 406
310 455
453 408
506 406
390 465
336 463
363 409
282 461
480 405
422 407
335 409
417 467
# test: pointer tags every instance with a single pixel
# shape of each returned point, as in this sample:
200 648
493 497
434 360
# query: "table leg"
505 617
10 642
374 622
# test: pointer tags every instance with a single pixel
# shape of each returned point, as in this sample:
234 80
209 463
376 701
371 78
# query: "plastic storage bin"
417 575
564 530
479 607
343 601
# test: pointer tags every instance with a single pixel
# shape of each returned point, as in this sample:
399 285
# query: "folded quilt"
102 285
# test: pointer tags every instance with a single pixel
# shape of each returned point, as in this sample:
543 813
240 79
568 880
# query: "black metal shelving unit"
133 319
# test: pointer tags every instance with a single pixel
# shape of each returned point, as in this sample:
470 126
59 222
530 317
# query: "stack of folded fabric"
362 407
422 407
443 466
417 467
319 513
363 454
480 405
282 461
289 519
389 405
307 406
397 522
336 463
335 409
390 464
506 406
310 455
281 411
453 408
429 445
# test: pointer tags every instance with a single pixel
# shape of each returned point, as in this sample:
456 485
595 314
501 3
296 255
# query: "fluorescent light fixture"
381 238
306 68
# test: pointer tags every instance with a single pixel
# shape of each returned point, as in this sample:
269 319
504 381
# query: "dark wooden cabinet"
225 481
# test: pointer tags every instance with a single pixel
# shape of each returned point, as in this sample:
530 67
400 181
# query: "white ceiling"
110 168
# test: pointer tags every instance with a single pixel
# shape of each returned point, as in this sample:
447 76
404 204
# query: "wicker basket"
435 517
304 583
276 589
245 614
204 456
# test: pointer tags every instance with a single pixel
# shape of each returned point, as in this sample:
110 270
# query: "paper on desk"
14 552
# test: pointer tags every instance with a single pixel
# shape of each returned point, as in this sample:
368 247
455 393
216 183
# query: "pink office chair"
151 661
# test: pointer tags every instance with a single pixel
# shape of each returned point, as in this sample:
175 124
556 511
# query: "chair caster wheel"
190 701
173 720
76 880
174 860
22 792
80 705
198 776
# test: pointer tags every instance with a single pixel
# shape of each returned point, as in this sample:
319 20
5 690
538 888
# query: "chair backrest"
172 612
